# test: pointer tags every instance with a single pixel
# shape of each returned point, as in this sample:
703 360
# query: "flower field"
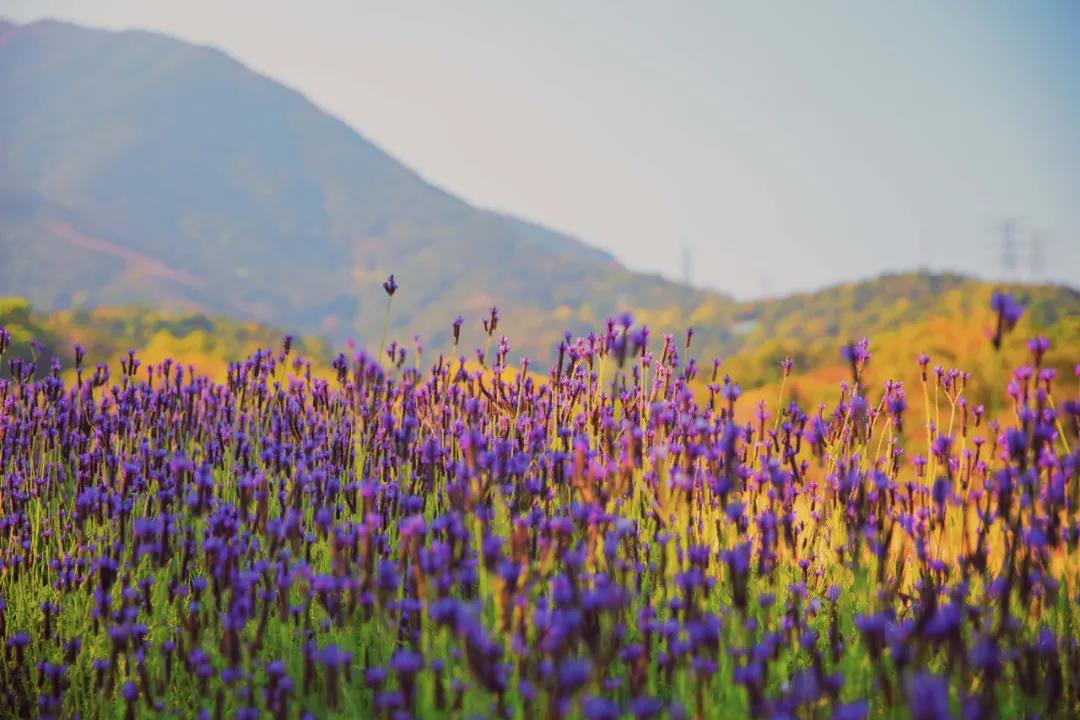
616 538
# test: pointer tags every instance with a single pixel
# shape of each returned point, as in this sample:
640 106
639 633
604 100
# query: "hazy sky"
789 145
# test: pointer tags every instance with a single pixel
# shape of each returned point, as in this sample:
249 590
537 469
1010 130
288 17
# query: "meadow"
622 535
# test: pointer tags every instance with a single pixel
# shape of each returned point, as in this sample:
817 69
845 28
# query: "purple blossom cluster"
618 539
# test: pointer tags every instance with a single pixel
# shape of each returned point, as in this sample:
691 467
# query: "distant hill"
946 316
106 334
951 324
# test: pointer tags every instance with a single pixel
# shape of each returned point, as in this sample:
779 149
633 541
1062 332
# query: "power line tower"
1021 251
687 264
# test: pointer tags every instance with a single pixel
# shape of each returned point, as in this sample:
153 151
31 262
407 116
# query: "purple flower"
18 640
1007 306
985 655
375 676
406 662
857 353
1038 347
731 392
646 708
334 657
928 697
572 675
390 286
852 711
1008 312
598 708
492 321
456 327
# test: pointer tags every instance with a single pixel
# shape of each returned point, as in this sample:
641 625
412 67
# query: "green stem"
385 327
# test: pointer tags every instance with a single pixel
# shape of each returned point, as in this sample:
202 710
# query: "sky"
753 148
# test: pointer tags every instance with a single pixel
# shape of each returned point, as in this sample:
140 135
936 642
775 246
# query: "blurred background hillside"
161 194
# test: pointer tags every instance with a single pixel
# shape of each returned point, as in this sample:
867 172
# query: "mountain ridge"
136 168
274 192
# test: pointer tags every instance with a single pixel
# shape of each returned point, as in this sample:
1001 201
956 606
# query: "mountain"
138 168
